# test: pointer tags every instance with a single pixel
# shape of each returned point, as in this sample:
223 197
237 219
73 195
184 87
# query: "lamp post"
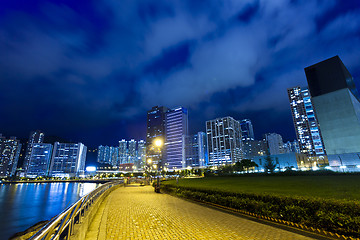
147 171
158 143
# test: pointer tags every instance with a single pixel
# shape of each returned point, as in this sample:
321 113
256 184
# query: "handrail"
62 226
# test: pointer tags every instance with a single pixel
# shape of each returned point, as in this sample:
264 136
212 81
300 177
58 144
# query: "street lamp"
158 143
147 171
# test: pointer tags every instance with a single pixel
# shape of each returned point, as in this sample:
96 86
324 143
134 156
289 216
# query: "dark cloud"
89 70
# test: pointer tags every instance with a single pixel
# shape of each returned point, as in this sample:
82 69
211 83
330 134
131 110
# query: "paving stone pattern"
137 212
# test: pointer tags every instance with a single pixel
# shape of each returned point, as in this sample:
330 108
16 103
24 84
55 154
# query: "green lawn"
338 187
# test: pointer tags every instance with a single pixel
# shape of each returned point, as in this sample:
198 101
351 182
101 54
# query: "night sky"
89 70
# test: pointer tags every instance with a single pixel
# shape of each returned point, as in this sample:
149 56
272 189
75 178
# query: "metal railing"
62 226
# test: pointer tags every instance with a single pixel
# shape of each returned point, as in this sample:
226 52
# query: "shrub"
342 217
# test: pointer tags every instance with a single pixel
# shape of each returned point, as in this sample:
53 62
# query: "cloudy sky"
89 70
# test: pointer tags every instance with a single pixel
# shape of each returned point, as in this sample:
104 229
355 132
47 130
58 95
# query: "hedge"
337 216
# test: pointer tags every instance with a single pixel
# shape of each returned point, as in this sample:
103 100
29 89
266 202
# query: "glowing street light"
158 142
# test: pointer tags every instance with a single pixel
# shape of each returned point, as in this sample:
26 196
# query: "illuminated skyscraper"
141 154
101 154
176 126
9 155
123 152
305 122
254 148
195 150
35 137
68 159
275 143
155 130
247 130
291 147
132 151
39 160
108 155
114 156
224 141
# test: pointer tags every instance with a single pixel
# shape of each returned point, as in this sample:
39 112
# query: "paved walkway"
136 212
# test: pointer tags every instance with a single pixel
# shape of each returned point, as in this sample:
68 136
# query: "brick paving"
136 212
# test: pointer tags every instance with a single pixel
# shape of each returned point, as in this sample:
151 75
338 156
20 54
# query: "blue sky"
89 70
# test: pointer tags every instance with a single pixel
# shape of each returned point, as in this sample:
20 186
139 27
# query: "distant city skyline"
325 116
90 76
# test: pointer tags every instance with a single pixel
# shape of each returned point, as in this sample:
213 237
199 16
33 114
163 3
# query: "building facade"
195 148
275 143
283 162
291 147
68 159
132 156
176 126
141 155
127 152
123 152
108 155
224 141
155 131
35 137
9 155
40 158
336 101
101 154
253 148
114 156
247 130
305 122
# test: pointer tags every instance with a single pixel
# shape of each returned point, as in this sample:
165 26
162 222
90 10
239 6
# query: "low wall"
81 229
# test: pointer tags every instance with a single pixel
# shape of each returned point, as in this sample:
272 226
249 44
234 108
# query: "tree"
269 164
247 163
238 167
226 169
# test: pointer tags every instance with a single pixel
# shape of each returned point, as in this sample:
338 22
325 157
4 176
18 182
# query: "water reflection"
23 205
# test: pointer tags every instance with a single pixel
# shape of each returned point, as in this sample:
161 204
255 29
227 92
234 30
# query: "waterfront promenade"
137 212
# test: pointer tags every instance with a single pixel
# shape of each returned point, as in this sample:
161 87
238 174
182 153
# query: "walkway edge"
103 221
260 220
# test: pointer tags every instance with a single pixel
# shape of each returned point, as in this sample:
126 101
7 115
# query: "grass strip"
338 216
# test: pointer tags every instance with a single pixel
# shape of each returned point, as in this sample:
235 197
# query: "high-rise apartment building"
141 154
195 149
108 155
35 137
101 154
9 155
224 141
114 156
126 153
291 147
132 151
176 126
155 131
254 148
305 122
40 158
247 130
336 102
68 159
123 152
275 143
